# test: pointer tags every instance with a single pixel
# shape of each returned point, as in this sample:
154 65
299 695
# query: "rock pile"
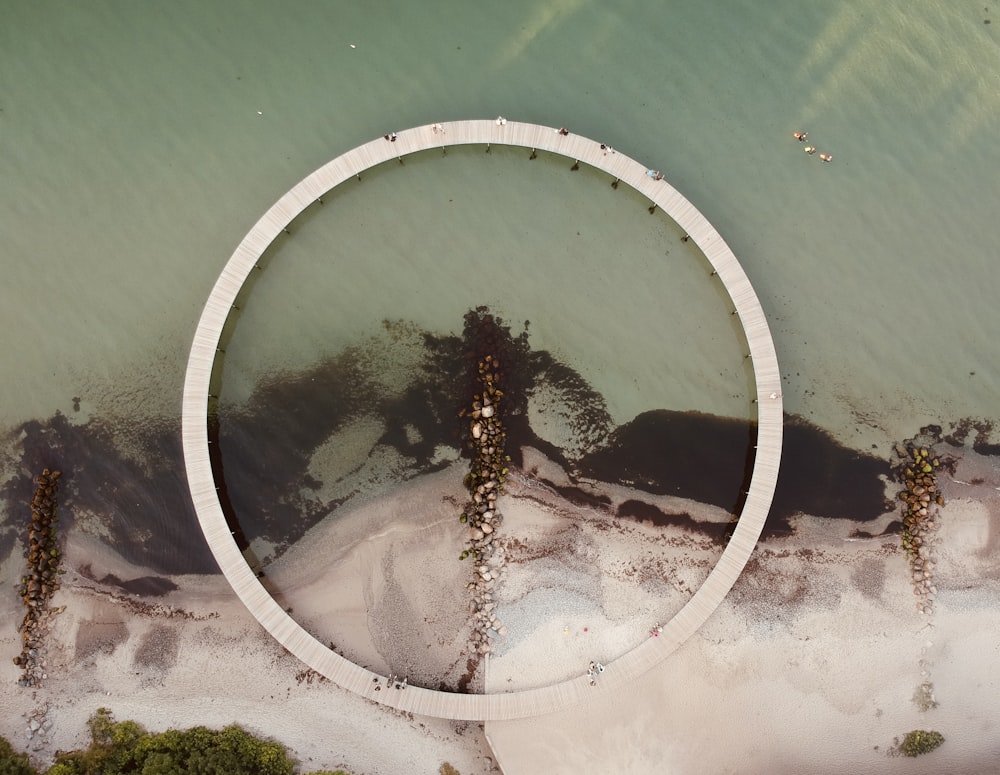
487 473
39 728
921 499
41 580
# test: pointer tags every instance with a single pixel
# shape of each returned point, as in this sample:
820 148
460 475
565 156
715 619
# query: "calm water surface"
142 142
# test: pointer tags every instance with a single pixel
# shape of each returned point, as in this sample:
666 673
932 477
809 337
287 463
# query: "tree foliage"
125 747
13 763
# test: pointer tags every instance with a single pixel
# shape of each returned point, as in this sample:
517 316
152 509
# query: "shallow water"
149 139
142 159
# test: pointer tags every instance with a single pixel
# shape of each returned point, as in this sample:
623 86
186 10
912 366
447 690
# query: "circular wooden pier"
287 631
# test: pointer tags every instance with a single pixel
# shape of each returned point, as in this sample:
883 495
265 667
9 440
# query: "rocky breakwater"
917 469
41 580
487 473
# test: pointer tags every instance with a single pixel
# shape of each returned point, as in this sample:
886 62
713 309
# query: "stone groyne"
41 580
486 441
917 468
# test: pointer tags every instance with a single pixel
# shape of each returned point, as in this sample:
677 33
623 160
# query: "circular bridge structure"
201 362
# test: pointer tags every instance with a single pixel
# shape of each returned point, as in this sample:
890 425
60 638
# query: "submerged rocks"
41 580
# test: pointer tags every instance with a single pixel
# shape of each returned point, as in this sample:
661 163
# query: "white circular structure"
201 481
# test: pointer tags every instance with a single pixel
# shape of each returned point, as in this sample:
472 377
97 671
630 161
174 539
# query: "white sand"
810 664
195 656
584 586
383 582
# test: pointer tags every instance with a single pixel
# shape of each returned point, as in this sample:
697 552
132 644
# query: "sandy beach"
812 662
196 656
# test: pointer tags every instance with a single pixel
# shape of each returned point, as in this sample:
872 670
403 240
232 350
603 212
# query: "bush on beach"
920 741
126 747
13 763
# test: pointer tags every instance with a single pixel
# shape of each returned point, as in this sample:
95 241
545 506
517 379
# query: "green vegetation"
119 747
920 741
13 763
447 769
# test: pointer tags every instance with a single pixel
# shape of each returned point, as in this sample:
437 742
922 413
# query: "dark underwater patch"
709 459
132 476
685 454
647 512
263 449
821 476
139 493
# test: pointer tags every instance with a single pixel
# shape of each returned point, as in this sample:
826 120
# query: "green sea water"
141 141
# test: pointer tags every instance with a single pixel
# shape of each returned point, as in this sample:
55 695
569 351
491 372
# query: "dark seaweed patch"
580 497
131 474
709 459
647 512
822 477
140 493
686 454
265 447
144 586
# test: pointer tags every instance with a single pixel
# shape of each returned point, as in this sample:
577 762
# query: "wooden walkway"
199 373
